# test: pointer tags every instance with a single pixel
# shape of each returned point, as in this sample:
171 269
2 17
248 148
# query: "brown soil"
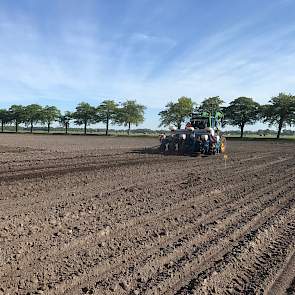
92 215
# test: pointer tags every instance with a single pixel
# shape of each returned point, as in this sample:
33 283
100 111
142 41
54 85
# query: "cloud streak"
142 57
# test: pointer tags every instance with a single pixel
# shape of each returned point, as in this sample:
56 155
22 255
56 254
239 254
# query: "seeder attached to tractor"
201 135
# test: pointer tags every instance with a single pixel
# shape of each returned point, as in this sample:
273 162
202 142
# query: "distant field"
81 132
255 136
142 134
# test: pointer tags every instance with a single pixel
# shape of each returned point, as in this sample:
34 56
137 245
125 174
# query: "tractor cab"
203 120
199 122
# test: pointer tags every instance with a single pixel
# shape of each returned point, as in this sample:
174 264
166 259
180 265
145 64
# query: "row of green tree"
279 112
127 113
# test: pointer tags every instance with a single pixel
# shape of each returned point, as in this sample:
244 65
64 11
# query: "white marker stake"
225 158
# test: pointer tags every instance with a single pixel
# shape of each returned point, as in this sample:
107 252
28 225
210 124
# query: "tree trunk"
2 126
107 126
129 127
16 127
48 127
280 128
31 127
66 128
242 130
179 125
85 128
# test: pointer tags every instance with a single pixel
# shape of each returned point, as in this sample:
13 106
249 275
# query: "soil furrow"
242 235
286 275
89 215
197 228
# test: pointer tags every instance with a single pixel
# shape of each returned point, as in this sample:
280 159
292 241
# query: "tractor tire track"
78 219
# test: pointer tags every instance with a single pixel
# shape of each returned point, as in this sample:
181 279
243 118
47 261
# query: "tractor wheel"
162 148
171 147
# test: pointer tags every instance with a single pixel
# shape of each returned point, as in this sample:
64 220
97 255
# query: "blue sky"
61 52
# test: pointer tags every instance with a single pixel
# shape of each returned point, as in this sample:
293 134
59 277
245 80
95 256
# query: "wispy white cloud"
81 62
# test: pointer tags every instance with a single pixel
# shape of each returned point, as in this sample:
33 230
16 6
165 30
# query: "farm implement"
201 135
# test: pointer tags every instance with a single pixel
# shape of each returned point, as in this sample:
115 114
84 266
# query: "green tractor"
201 135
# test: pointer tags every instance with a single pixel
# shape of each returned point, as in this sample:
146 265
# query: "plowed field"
94 215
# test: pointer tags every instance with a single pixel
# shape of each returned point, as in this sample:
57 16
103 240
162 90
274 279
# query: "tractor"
201 135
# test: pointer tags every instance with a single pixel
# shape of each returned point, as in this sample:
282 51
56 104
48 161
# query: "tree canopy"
33 114
85 114
211 104
242 111
65 119
280 112
130 113
18 115
49 115
5 118
107 111
177 112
